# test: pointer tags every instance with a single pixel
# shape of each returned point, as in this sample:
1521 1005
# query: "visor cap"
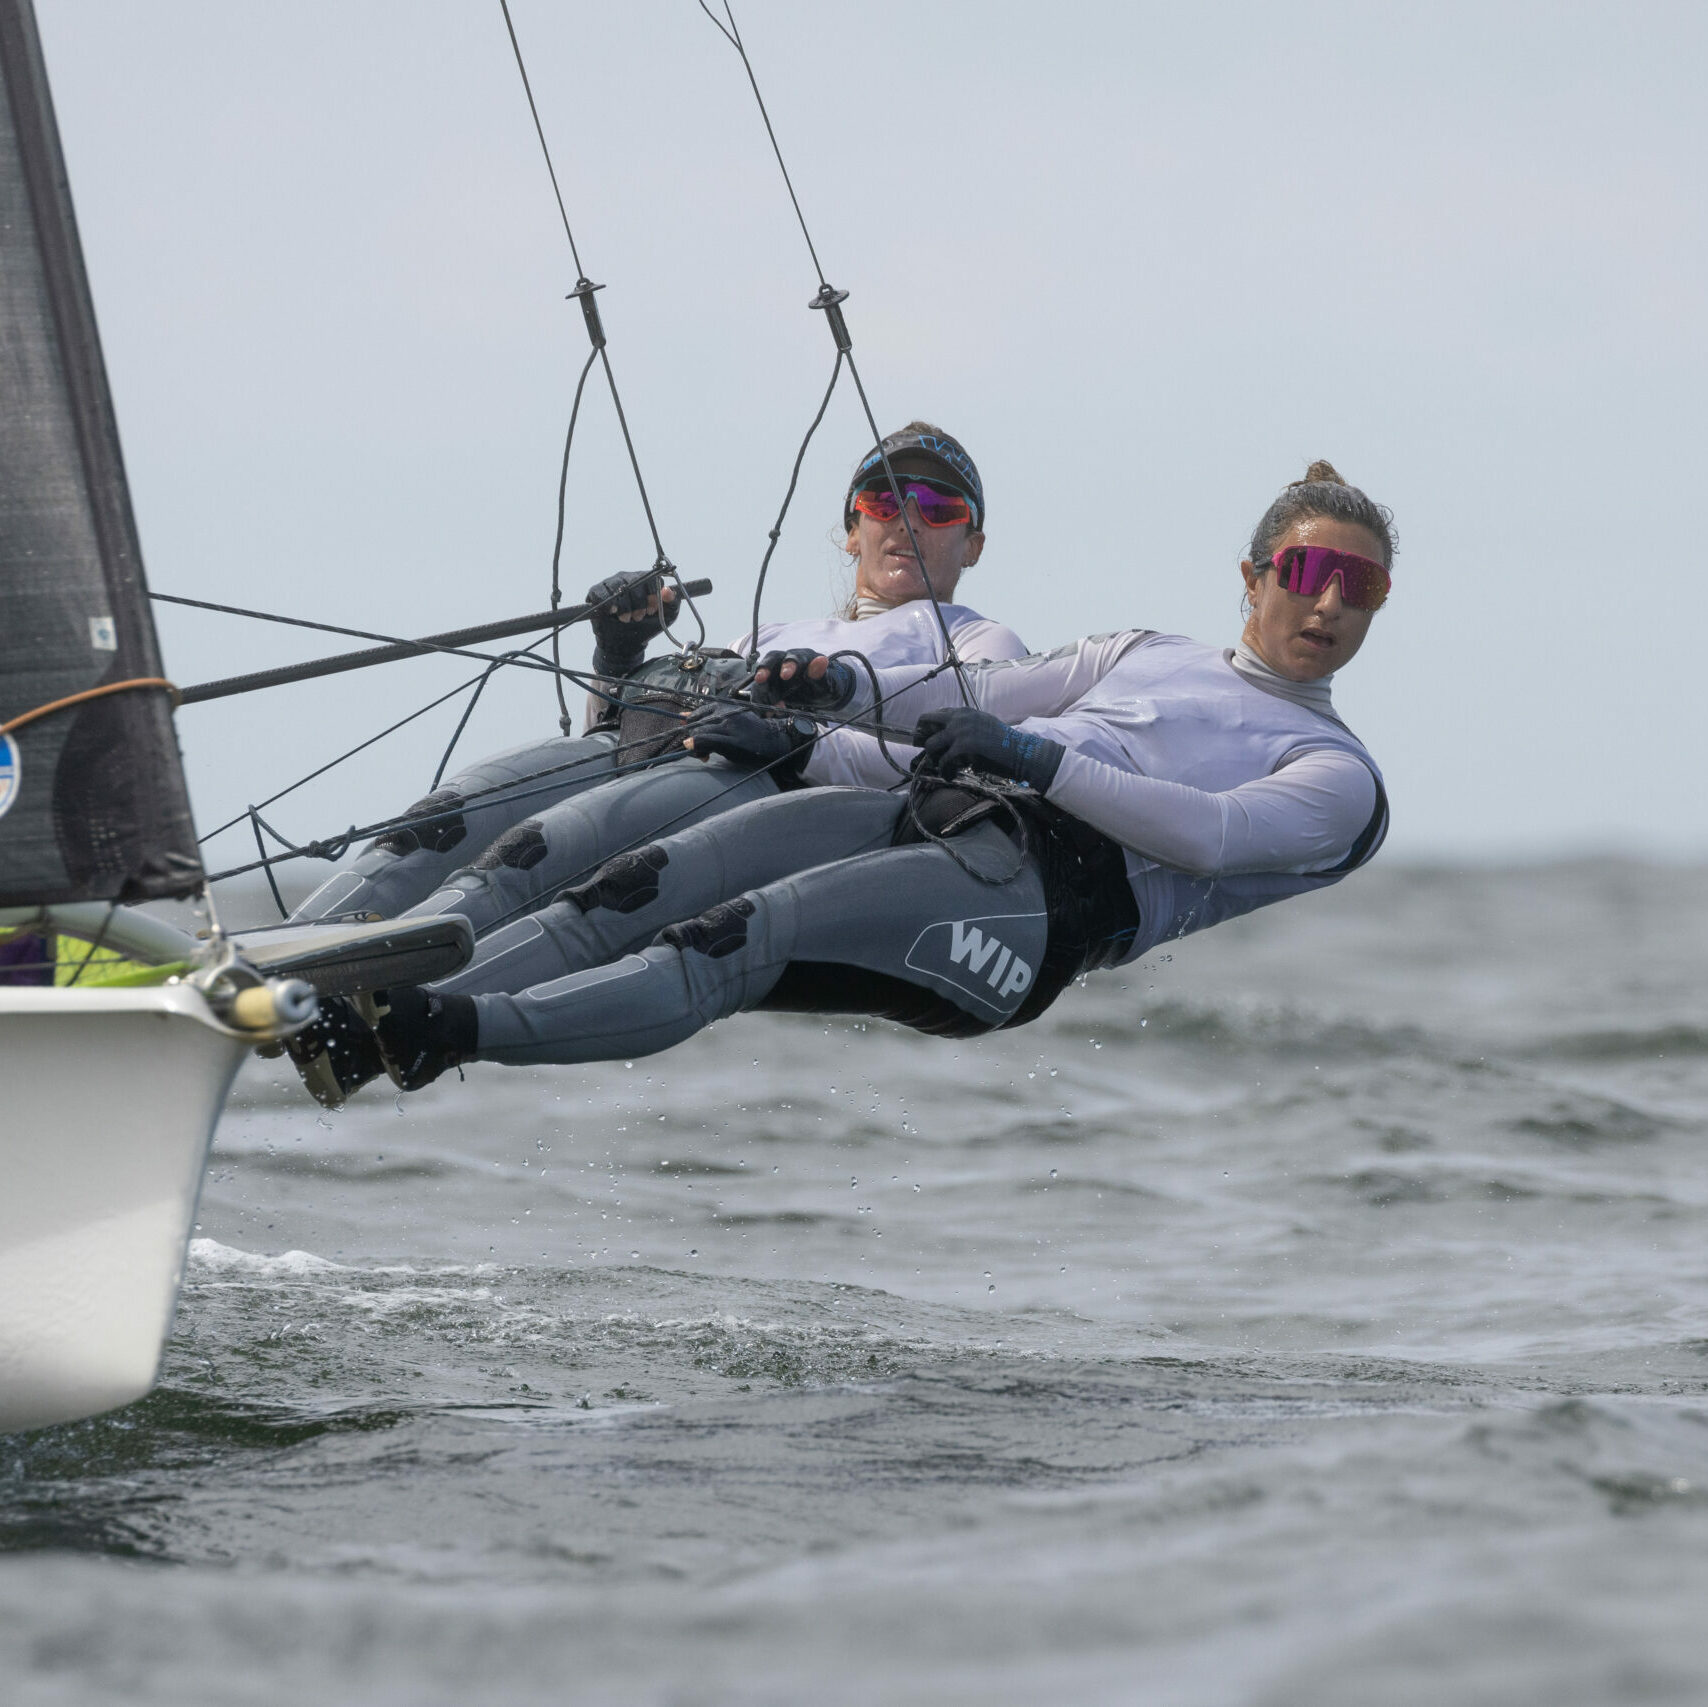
927 453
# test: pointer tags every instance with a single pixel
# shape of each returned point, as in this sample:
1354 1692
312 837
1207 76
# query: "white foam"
210 1254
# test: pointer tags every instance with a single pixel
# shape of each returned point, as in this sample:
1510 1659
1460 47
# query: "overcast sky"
1145 260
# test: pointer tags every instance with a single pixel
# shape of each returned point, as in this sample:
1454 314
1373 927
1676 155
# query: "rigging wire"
591 684
986 787
830 301
733 36
707 702
425 646
539 131
362 746
334 847
584 289
468 711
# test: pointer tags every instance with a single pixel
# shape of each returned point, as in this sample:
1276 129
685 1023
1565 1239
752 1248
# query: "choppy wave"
1658 1043
1317 1316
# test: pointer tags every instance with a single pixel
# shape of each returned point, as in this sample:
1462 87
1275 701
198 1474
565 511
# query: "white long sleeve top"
1203 763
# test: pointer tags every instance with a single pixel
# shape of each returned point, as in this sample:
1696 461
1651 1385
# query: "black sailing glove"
779 741
950 741
617 645
830 692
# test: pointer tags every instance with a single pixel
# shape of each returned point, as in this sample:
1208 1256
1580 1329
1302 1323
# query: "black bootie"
421 1032
335 1053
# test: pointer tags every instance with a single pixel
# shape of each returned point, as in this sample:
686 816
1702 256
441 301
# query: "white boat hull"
108 1104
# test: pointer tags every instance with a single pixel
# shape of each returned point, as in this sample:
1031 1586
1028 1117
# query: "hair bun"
1322 493
1320 473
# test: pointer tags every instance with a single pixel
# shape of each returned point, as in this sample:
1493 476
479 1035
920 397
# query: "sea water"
1317 1314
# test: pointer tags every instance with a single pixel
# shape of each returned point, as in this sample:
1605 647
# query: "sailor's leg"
626 902
549 850
441 832
903 925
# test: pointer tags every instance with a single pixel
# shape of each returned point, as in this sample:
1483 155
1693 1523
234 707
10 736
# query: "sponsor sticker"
11 773
971 956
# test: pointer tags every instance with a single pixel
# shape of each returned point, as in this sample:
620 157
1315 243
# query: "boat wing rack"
348 959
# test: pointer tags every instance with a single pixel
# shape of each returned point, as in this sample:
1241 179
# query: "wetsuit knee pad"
717 932
624 884
521 847
443 830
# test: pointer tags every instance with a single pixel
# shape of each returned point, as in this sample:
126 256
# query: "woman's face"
1304 638
886 568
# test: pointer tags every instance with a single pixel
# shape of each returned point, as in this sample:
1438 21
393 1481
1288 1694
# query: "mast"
92 798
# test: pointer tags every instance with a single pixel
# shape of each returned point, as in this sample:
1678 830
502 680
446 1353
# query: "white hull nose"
108 1103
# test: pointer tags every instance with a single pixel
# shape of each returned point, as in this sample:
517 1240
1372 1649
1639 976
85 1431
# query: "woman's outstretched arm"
1305 816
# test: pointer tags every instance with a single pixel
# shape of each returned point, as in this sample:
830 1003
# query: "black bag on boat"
655 697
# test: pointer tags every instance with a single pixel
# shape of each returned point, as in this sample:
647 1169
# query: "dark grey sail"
92 799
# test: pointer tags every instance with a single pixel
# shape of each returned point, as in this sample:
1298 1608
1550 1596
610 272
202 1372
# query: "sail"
92 797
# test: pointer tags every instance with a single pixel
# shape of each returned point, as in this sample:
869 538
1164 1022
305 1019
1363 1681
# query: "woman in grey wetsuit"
512 829
1119 792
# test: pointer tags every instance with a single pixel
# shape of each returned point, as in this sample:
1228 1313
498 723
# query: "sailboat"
111 1083
112 1079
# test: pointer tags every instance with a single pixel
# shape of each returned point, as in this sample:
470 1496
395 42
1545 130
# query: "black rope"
830 300
663 559
986 788
788 498
334 847
878 705
96 946
564 719
266 863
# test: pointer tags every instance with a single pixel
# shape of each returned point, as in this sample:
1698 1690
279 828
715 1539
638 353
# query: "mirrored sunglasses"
937 508
1308 569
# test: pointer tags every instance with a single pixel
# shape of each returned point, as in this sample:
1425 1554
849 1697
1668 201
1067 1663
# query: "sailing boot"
422 1032
336 1053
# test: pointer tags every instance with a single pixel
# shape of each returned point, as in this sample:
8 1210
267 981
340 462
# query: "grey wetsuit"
491 852
798 902
1250 787
442 831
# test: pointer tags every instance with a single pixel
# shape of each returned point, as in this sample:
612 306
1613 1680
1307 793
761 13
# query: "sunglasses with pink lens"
1308 569
937 508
